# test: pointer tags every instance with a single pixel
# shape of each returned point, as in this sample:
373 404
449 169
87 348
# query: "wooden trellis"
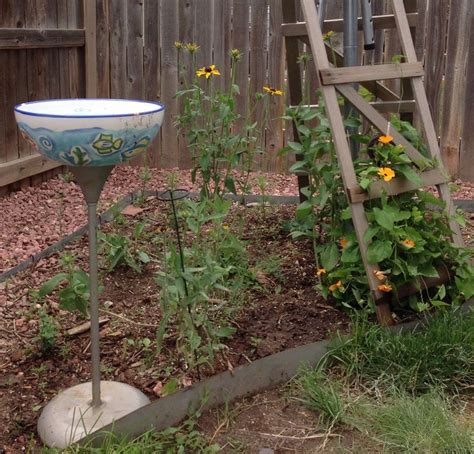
339 80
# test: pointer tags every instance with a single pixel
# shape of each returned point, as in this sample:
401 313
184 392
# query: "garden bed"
280 310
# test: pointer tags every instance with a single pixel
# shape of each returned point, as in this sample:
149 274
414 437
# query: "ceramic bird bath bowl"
90 136
90 132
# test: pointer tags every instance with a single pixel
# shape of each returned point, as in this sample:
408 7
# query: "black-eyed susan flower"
273 91
208 71
327 36
385 288
385 139
192 48
335 286
386 173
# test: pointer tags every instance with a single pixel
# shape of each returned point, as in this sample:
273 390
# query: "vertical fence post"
90 27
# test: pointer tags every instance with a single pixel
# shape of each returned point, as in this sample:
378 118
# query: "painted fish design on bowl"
78 138
105 144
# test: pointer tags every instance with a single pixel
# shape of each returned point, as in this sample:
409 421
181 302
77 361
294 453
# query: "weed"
75 295
174 440
48 332
120 250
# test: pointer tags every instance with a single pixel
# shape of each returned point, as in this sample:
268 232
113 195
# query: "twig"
17 335
113 314
291 437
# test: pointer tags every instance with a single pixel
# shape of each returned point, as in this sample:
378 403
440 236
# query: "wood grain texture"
241 41
169 83
334 76
118 52
13 38
455 84
274 132
103 49
466 167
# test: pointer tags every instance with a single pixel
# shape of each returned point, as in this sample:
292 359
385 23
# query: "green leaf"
225 331
384 218
303 210
296 146
170 387
410 175
351 254
304 130
144 257
378 251
428 270
49 286
329 256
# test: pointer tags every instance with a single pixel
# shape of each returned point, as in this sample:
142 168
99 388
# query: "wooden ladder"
334 80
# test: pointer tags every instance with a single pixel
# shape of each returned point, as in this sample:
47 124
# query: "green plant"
174 440
221 140
410 424
120 250
441 354
145 176
321 394
408 236
199 295
48 332
75 294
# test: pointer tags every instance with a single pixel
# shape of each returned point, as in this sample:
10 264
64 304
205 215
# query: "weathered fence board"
136 58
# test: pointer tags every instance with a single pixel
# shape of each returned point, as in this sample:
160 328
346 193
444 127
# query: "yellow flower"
335 286
192 47
343 242
385 288
380 275
408 243
320 271
327 36
208 71
386 173
178 44
225 226
272 91
385 139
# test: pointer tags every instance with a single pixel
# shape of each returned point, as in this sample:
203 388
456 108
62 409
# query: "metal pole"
94 303
350 55
369 40
321 5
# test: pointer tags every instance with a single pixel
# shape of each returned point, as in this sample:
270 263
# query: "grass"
174 440
420 424
392 387
322 395
439 355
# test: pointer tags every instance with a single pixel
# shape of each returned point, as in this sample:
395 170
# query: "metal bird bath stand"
91 136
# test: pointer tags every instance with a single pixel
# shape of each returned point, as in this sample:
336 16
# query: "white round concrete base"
70 416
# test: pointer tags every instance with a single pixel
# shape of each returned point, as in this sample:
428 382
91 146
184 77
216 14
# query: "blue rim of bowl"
17 108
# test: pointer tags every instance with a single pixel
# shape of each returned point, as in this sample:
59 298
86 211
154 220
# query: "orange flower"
380 275
385 288
320 271
385 139
343 242
335 286
408 243
386 173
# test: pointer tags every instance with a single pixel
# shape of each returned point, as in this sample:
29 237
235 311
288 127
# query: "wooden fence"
125 49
